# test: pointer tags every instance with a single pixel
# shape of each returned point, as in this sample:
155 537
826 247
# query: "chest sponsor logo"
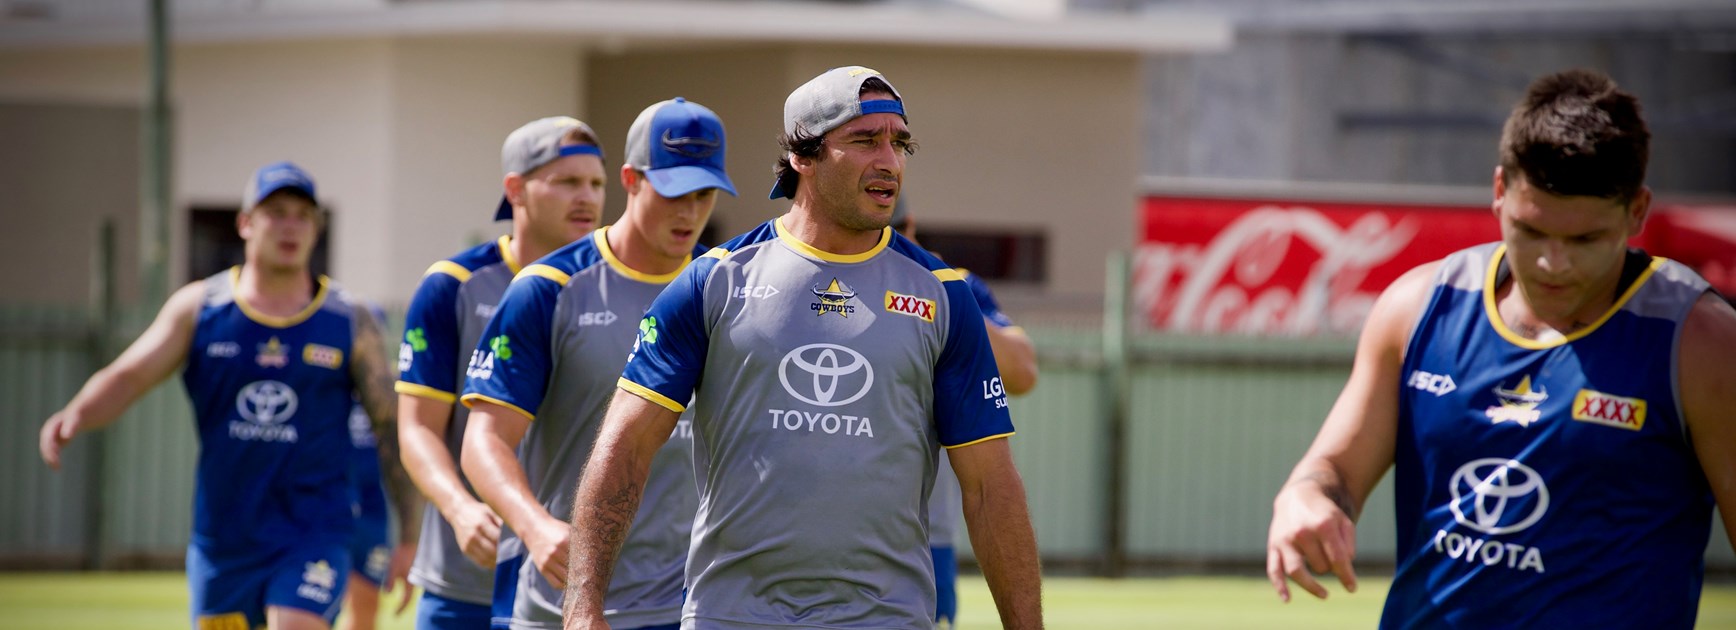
601 318
317 581
361 428
484 311
272 354
910 305
1518 405
266 407
824 375
757 291
322 356
1494 496
1437 384
835 298
223 349
1609 410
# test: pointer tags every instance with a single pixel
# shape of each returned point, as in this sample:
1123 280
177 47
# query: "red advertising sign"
1298 268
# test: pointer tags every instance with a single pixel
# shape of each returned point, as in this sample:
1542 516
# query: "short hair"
1577 134
808 146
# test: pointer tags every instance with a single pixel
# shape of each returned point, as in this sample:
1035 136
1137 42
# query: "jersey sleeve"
669 356
985 301
978 410
510 365
428 354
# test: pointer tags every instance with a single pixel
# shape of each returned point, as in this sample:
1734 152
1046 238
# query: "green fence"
1211 428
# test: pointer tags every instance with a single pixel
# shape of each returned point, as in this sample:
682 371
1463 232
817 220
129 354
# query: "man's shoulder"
463 265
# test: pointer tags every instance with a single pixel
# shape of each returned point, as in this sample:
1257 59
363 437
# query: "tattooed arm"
608 498
1314 516
374 377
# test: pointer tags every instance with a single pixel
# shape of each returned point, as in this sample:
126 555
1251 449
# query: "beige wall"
1042 141
404 135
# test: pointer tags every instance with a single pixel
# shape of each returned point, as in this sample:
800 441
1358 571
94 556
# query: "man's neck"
822 233
634 251
526 248
277 292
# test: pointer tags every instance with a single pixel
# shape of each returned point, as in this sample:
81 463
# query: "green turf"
149 601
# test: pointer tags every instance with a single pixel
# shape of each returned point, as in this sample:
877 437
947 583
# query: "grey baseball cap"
536 143
827 101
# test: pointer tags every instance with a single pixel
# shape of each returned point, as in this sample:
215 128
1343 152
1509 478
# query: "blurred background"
1189 205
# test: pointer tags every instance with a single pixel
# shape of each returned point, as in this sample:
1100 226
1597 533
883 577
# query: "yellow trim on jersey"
470 399
424 391
948 275
544 271
505 245
716 252
650 394
980 441
449 268
601 238
274 321
1494 314
786 237
962 272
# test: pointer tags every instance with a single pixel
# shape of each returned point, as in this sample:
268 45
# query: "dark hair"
809 146
1576 134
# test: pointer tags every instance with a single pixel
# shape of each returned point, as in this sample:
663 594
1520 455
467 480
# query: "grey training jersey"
824 384
452 305
554 353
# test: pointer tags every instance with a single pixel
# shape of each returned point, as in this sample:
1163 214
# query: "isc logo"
1437 384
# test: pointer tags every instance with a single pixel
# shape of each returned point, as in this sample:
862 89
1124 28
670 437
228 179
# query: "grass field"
151 601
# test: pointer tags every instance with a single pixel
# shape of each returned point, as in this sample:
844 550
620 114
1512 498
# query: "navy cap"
679 145
275 177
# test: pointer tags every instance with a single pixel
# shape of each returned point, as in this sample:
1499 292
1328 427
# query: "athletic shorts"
371 552
945 587
233 593
438 613
505 591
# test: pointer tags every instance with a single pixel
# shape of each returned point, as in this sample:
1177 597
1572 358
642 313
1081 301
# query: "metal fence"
1140 452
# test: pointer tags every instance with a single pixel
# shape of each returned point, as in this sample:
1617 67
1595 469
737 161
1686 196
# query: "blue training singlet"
272 397
1547 483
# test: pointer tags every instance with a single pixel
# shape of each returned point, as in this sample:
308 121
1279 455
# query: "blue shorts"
234 592
945 586
505 591
370 551
438 613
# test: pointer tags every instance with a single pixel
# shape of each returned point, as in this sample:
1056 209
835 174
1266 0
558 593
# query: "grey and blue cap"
679 145
274 177
827 101
536 143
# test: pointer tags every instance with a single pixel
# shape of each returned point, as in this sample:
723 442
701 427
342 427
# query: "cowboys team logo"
273 354
1518 405
835 298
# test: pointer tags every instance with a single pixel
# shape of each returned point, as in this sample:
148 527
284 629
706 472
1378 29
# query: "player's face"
859 170
564 198
671 225
281 231
1566 252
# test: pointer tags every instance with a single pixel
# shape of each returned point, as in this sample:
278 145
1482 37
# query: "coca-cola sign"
1284 267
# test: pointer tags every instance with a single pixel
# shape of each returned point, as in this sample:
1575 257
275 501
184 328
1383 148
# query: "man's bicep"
163 347
979 463
1709 401
642 423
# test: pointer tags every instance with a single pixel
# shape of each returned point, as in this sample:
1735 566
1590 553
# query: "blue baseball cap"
679 146
275 177
539 142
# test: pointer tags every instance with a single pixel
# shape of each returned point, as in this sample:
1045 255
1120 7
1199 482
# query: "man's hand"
1311 534
547 543
477 530
56 433
398 577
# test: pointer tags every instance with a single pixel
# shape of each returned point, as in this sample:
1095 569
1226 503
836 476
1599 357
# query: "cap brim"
785 186
504 211
676 181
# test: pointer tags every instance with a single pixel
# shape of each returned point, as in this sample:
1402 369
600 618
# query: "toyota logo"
826 373
266 402
1497 488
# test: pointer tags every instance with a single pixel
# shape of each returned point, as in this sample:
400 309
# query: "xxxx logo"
910 305
1609 410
